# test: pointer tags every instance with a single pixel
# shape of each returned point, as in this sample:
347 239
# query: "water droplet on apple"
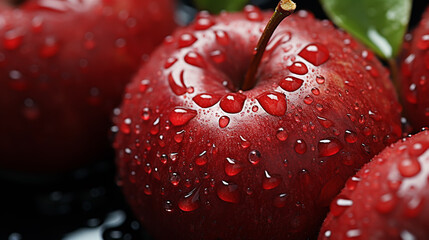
168 206
206 100
280 200
253 13
125 126
409 167
147 190
254 157
228 192
37 24
202 159
233 167
155 127
12 39
223 121
190 201
315 91
315 53
179 136
423 42
30 111
89 42
414 206
329 146
175 179
270 181
350 136
339 205
50 48
386 203
170 62
352 183
232 102
326 123
300 146
244 143
204 23
281 134
372 71
195 59
175 87
186 40
222 37
308 100
181 116
218 56
273 103
291 84
320 79
298 68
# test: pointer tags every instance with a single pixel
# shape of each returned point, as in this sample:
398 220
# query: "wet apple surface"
198 156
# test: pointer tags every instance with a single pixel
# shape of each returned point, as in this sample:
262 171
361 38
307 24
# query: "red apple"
388 198
199 158
63 67
414 76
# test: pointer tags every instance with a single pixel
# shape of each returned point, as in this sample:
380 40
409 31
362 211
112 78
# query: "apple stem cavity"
284 8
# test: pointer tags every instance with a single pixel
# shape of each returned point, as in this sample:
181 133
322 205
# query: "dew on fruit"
281 134
414 207
273 103
218 56
145 114
155 127
409 167
298 68
308 100
291 84
233 167
206 100
423 42
280 200
386 203
30 111
350 136
315 53
195 59
326 123
125 126
372 71
253 13
353 234
175 179
202 159
255 108
254 157
170 62
352 183
244 143
147 190
181 116
12 39
222 37
186 40
228 192
178 137
168 206
204 23
339 205
320 79
190 201
315 91
329 146
223 121
300 146
37 24
177 89
270 181
232 102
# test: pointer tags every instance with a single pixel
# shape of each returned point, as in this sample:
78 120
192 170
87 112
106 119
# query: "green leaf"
215 6
380 24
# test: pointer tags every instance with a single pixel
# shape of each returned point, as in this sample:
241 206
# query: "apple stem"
283 9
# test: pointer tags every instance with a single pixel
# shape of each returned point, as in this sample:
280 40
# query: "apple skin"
63 68
271 170
414 74
388 198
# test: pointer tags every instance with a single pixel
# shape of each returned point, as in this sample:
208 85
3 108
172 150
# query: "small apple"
414 76
210 148
63 67
388 198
